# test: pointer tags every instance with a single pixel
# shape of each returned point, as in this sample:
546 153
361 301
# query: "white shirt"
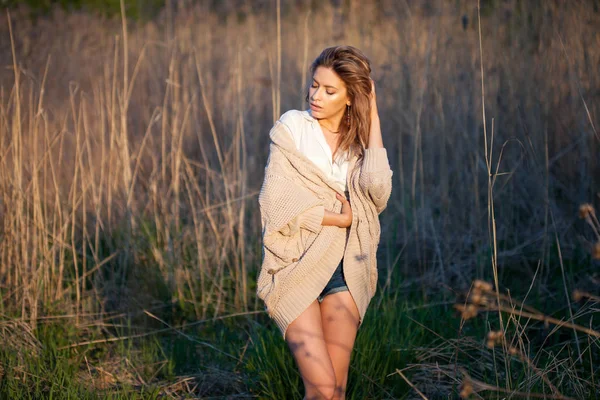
310 141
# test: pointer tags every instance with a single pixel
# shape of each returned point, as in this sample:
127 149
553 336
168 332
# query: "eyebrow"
327 86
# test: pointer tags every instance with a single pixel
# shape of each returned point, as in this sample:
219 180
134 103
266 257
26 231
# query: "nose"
316 95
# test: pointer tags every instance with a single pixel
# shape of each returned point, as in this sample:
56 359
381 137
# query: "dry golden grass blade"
495 338
475 385
545 319
410 384
579 295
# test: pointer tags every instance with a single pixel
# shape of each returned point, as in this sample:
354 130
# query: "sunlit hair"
354 69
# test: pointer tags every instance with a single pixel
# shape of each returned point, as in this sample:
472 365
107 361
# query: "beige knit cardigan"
299 254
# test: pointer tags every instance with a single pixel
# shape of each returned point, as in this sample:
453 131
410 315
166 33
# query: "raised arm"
376 174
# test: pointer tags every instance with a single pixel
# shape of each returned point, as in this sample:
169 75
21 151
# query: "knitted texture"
299 254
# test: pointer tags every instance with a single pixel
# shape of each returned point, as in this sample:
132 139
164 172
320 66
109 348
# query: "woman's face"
327 94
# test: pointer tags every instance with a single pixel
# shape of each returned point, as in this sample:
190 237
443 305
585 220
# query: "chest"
319 149
332 143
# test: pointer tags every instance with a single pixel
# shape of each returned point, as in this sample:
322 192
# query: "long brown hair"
354 68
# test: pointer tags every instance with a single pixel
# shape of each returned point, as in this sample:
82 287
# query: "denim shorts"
336 284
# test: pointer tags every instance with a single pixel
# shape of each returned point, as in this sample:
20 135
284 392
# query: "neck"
326 126
331 124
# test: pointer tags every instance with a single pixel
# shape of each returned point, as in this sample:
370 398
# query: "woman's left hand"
374 112
375 131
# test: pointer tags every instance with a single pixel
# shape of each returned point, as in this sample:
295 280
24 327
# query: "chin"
319 114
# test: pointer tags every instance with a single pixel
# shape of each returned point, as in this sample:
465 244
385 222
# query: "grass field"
132 153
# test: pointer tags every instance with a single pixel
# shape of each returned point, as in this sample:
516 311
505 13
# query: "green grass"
53 374
376 354
246 355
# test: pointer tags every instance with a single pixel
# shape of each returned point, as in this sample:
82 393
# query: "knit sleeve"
376 177
287 207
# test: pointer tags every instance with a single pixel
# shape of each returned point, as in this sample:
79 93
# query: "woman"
326 181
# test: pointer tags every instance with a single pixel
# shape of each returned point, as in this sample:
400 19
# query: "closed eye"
314 85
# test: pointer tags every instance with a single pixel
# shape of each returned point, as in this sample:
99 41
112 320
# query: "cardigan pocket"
287 210
290 241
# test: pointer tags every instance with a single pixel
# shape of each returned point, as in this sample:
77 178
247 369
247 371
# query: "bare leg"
340 318
307 343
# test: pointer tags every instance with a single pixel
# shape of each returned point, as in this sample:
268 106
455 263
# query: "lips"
315 107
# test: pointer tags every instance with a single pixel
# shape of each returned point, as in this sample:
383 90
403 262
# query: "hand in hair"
375 139
374 112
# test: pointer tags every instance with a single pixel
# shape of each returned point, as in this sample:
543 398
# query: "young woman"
326 181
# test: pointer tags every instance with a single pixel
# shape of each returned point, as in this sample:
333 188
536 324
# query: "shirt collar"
308 115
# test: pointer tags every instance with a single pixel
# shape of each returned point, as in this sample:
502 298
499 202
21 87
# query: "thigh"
307 343
340 323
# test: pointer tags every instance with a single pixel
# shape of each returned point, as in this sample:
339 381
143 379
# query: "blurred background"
133 140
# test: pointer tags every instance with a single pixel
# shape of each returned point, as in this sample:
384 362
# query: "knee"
325 391
330 392
334 392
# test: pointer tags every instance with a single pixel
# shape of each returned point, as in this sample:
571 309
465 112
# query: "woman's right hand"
346 213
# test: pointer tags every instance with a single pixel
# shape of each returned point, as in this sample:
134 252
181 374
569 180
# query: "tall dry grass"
132 153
